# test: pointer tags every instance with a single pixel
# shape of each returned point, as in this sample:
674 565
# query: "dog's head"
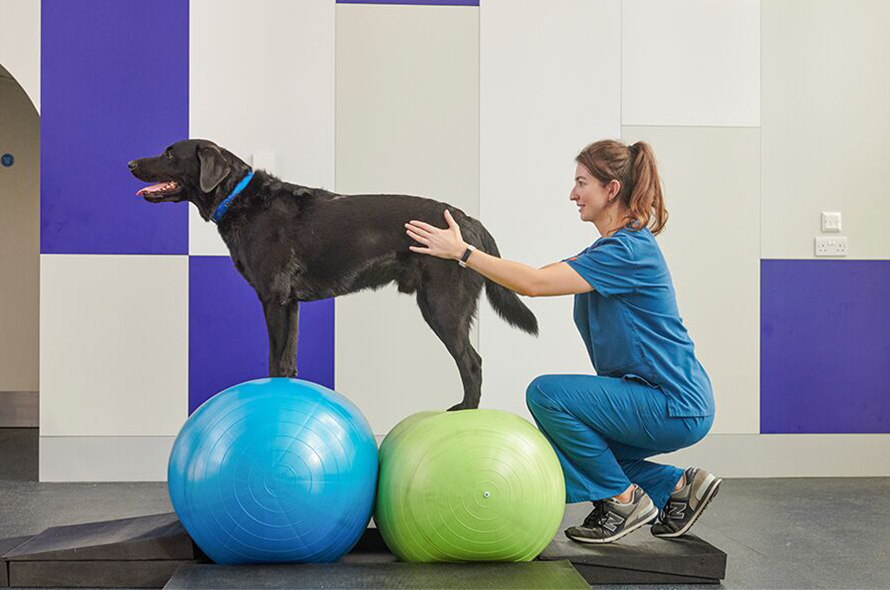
195 170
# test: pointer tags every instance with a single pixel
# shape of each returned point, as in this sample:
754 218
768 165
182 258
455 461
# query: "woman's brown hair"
635 168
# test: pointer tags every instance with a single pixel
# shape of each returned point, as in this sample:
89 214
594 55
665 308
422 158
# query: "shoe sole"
646 520
710 494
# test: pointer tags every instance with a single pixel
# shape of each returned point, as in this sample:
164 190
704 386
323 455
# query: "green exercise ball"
473 485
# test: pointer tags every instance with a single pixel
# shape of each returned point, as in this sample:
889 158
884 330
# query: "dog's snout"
132 164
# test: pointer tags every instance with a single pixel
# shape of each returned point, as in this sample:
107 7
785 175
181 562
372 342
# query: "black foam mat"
92 574
597 576
456 576
7 545
637 558
139 552
154 537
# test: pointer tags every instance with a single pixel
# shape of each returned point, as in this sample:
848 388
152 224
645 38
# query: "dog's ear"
214 167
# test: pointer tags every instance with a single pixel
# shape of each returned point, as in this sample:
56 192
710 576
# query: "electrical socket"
835 246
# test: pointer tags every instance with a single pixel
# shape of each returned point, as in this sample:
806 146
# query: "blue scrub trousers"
602 429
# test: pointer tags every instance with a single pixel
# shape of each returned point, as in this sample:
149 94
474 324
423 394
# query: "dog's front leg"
282 323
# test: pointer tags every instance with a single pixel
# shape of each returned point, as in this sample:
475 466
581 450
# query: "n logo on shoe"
677 510
613 521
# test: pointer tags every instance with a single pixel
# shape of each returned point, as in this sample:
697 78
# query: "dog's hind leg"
282 324
450 318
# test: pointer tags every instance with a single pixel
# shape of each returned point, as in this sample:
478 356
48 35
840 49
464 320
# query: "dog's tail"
504 301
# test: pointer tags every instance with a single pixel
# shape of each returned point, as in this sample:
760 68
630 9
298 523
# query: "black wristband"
466 256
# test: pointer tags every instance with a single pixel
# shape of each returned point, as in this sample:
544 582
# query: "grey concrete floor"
778 533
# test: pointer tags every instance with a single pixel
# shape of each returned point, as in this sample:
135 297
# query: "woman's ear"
614 189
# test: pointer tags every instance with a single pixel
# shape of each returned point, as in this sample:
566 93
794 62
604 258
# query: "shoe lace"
597 516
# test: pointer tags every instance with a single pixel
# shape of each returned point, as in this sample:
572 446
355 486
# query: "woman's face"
591 197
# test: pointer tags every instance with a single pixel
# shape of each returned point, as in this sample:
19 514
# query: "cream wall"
407 123
541 103
20 44
826 125
536 61
690 62
90 306
691 88
269 98
114 365
116 331
710 177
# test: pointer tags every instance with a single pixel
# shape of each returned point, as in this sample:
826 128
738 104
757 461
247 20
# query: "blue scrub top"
630 322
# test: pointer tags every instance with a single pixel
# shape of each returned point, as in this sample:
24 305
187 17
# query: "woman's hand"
442 243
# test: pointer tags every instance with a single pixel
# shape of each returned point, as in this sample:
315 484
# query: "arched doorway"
19 276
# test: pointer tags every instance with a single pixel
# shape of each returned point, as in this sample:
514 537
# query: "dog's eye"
169 155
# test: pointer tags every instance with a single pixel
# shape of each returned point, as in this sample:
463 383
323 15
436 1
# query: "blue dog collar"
224 206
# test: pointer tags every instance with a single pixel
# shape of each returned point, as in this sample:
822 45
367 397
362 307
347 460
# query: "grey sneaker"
610 520
685 506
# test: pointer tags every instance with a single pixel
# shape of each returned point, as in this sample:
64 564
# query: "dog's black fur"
294 243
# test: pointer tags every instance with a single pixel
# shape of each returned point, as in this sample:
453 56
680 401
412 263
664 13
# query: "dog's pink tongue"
151 189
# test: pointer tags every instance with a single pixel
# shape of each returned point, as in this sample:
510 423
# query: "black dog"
293 243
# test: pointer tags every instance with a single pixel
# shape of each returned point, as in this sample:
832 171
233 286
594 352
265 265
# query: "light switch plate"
831 221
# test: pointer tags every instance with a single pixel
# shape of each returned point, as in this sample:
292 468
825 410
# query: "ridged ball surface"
274 470
473 485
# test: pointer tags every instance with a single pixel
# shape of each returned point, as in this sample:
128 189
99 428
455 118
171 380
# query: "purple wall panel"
114 86
227 333
825 346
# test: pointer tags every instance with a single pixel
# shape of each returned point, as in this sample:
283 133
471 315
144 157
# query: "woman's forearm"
513 275
554 279
448 244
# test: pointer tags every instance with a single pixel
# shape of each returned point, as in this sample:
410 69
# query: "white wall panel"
787 455
826 125
691 62
550 82
104 458
261 80
711 242
407 122
20 44
114 345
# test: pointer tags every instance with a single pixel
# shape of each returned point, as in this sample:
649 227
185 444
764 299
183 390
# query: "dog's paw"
459 406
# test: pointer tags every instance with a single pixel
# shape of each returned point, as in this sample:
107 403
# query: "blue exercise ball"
274 470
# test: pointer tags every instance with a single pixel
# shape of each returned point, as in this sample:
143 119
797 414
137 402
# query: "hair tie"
634 149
